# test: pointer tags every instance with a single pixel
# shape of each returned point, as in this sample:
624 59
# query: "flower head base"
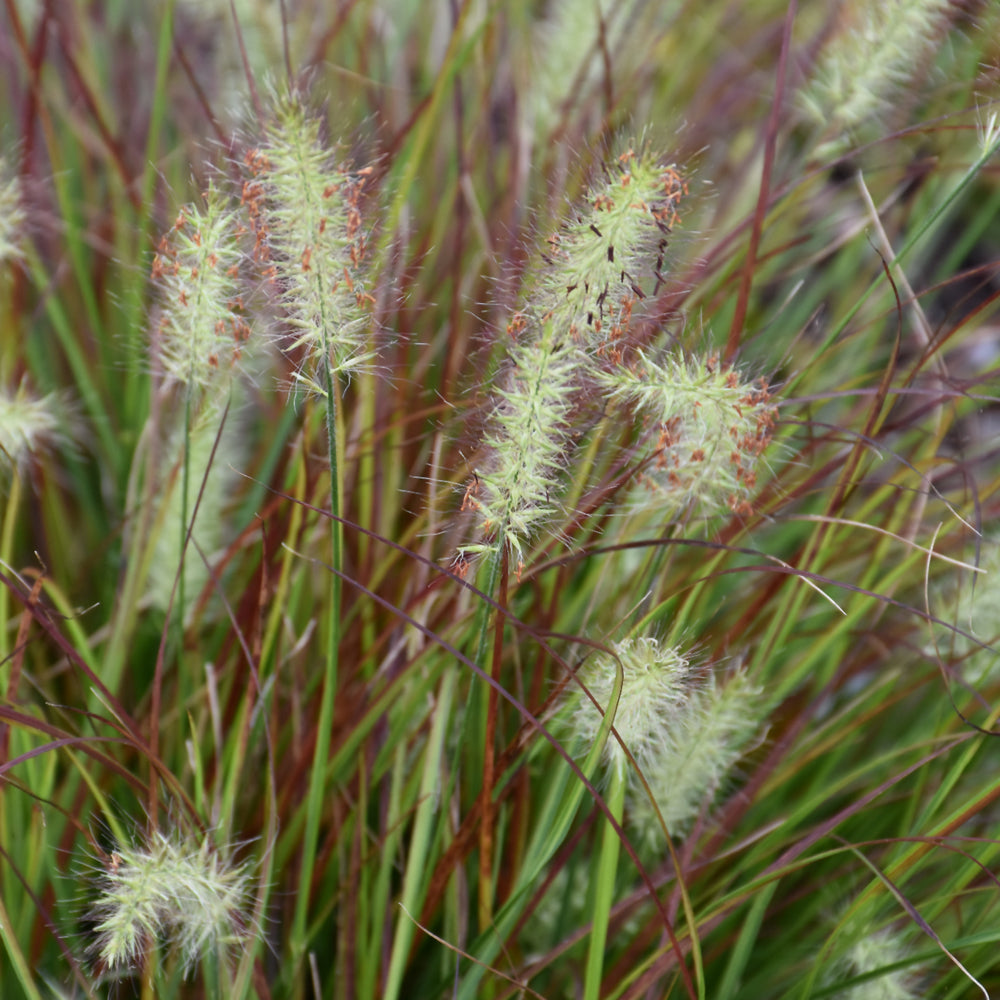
201 326
711 428
173 891
305 213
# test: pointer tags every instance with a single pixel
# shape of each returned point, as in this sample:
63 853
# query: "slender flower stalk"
306 216
579 308
200 337
200 487
684 736
653 687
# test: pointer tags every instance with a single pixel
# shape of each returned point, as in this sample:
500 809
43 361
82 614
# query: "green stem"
324 726
607 869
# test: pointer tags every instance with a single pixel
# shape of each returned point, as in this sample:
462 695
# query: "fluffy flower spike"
305 213
880 45
712 428
201 327
26 424
704 740
871 952
173 891
685 731
656 679
581 303
11 216
601 260
527 443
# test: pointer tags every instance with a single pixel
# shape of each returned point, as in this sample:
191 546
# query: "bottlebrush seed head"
875 53
873 950
201 329
703 739
581 300
513 496
27 424
173 891
602 261
11 216
305 212
708 428
655 686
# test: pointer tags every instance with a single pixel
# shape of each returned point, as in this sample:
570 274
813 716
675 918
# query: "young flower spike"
579 307
656 680
880 45
872 952
685 732
26 423
711 428
567 57
174 891
704 740
305 213
11 216
201 330
972 604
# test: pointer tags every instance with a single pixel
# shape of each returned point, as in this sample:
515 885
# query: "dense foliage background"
396 397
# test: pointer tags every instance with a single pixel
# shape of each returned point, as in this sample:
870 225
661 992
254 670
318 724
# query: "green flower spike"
305 213
201 330
174 891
